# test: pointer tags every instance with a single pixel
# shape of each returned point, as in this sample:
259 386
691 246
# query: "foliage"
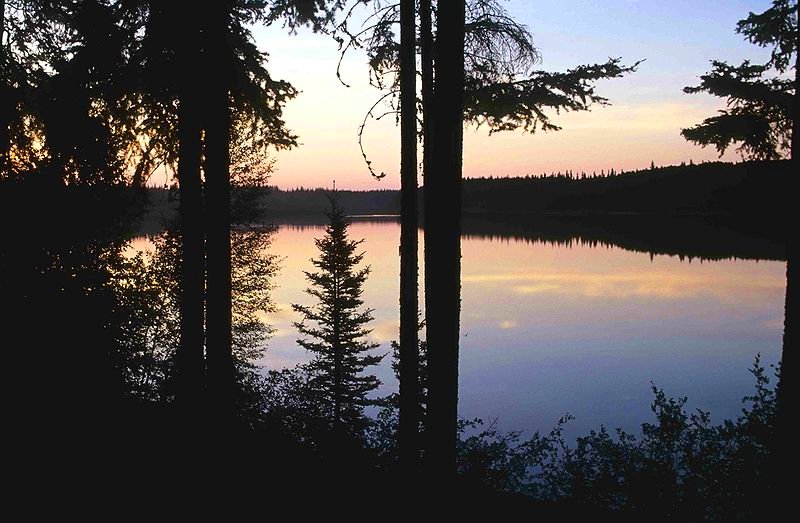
67 74
335 327
681 466
502 89
250 170
164 62
777 28
96 84
290 404
496 46
317 14
758 115
759 100
511 104
147 285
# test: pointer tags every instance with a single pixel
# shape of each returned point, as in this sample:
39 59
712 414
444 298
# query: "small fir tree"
335 329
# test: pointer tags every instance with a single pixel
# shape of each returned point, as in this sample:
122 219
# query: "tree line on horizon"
757 190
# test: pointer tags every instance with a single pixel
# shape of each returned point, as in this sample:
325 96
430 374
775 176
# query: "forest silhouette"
134 373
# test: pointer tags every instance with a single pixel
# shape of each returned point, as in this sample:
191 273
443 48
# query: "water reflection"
581 327
578 326
550 329
658 281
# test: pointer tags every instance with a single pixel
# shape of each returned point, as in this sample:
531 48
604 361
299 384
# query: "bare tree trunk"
443 241
786 386
189 358
796 104
426 47
189 364
218 275
409 287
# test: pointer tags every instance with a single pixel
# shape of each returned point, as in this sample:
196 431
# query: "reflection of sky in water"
549 329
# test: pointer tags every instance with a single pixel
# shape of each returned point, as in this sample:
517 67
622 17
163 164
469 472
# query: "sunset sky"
677 38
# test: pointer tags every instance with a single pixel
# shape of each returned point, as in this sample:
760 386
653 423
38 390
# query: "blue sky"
677 39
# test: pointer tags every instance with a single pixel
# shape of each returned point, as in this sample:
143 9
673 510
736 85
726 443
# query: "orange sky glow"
642 125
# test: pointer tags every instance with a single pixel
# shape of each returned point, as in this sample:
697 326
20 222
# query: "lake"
572 324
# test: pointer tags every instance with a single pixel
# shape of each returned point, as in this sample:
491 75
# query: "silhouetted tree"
443 241
217 126
335 328
190 364
240 88
155 335
502 89
241 94
66 81
762 107
409 286
762 115
498 51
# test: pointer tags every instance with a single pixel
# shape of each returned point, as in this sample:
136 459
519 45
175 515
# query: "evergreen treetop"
759 97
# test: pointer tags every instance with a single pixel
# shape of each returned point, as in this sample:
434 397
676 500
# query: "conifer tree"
761 99
336 327
762 117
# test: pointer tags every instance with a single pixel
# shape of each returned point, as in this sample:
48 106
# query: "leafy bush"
681 466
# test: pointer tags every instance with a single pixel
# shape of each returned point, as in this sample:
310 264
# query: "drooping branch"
371 115
758 114
503 91
524 104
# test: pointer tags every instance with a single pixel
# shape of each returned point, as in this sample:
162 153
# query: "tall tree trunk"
786 387
409 289
796 102
426 69
443 240
218 230
426 48
189 358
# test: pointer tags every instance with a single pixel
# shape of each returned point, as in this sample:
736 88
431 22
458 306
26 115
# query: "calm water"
581 329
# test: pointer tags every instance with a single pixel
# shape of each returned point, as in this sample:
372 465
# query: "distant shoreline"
755 189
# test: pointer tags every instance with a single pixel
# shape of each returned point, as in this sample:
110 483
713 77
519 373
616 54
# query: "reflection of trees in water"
702 237
706 238
96 331
104 325
151 281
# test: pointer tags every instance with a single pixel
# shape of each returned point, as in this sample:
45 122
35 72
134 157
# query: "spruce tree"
761 99
335 328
